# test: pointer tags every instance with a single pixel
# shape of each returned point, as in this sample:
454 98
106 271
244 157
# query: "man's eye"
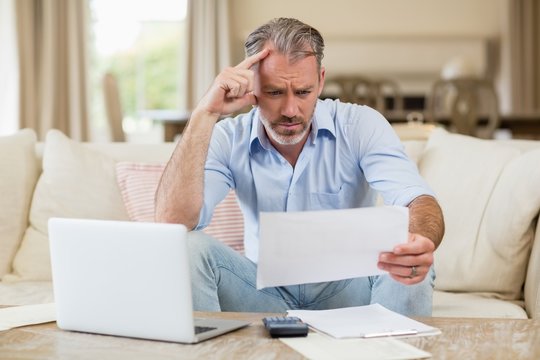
303 92
274 93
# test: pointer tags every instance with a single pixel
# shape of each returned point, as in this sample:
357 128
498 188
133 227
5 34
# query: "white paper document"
319 346
16 316
317 246
368 321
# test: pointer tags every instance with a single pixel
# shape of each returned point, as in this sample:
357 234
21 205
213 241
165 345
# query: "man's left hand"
409 263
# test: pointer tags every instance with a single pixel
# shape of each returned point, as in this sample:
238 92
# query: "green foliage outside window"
149 74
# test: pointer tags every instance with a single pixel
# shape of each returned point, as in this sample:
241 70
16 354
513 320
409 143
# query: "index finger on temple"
253 59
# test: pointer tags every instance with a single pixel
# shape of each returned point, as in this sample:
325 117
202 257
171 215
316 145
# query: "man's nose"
290 107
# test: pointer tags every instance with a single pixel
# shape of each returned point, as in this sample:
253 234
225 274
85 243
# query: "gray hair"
289 36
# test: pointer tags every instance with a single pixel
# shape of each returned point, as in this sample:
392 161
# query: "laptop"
127 279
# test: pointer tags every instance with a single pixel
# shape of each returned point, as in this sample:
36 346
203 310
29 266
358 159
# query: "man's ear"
321 80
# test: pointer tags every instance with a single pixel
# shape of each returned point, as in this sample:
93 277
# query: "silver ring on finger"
414 272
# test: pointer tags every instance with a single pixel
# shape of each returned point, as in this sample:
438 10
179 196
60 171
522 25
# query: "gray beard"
282 139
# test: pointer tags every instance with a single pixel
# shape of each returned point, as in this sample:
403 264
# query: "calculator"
285 326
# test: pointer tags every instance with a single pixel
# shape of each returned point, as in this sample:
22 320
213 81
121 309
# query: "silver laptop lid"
122 278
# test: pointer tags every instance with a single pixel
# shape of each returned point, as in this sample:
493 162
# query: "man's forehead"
276 61
299 78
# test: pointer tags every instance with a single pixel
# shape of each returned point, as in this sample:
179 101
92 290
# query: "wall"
340 18
408 40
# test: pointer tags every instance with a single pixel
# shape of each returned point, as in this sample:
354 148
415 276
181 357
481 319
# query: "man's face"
287 93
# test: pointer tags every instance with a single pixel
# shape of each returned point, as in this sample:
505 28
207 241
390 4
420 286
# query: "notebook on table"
128 279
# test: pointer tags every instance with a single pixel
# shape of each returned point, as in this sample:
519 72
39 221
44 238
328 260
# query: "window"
143 43
9 70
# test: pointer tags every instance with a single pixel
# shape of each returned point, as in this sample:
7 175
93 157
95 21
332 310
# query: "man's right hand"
179 198
232 89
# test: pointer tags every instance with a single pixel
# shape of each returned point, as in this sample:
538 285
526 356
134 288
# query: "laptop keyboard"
201 329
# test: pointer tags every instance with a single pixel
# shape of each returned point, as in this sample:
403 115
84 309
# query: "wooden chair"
362 90
471 105
353 89
388 89
113 107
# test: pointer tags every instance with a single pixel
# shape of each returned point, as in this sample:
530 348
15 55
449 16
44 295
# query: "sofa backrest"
80 181
77 180
489 194
20 172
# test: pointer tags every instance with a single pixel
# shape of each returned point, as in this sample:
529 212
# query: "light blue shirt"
351 154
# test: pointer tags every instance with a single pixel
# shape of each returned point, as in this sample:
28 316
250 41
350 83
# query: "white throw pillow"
19 175
76 182
490 197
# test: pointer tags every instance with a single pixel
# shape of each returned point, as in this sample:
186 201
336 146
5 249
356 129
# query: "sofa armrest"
532 281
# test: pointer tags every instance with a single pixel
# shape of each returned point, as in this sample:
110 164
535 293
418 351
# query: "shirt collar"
322 121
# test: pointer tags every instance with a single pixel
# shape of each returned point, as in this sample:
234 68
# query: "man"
293 152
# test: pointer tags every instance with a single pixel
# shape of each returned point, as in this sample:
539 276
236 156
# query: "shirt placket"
296 195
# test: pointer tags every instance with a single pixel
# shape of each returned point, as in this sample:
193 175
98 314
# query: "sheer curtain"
524 55
208 45
52 39
9 73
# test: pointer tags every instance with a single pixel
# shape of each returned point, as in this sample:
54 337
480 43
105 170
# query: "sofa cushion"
489 195
475 305
76 182
26 293
138 183
19 175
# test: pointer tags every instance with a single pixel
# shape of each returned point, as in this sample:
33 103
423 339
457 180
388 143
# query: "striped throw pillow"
138 183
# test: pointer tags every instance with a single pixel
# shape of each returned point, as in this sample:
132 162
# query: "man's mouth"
289 126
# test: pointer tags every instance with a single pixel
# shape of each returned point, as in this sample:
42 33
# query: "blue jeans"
224 280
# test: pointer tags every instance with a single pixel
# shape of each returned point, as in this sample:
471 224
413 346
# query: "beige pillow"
19 175
490 197
76 182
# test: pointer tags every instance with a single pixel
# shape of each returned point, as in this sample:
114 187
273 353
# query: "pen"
391 333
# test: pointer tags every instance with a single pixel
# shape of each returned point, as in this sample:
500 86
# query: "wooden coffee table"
460 339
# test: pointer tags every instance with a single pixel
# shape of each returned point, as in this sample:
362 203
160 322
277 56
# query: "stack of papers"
368 321
319 346
16 316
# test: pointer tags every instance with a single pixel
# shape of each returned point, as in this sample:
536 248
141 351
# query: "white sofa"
487 266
